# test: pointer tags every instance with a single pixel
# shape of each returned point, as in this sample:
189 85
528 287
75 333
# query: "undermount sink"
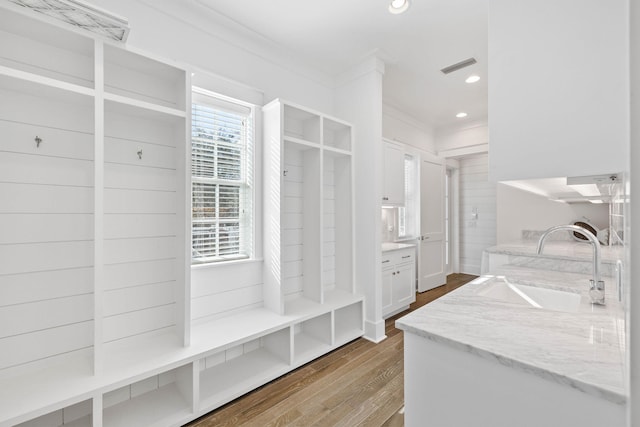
500 289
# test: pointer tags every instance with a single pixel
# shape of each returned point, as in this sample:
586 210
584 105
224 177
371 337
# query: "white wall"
193 34
400 127
558 92
519 210
461 140
476 192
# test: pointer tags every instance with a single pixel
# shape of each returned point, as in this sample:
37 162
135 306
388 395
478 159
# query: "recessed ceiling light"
398 6
472 79
461 114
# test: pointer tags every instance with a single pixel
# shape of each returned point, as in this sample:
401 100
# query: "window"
221 178
407 214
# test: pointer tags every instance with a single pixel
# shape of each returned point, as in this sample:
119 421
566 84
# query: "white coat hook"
38 141
140 154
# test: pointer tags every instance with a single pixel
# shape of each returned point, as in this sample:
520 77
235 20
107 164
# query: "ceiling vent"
81 15
459 65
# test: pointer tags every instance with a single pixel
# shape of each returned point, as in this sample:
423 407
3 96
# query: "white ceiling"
333 35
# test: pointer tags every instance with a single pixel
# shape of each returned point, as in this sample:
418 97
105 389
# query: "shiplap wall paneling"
163 399
143 236
131 75
45 50
227 374
236 288
337 224
477 194
301 222
46 231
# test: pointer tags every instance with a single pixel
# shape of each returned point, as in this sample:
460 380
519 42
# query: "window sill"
207 265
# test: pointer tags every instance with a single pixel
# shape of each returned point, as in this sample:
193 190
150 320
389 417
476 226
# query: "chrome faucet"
596 284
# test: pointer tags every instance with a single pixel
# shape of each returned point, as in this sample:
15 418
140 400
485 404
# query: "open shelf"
46 50
78 415
134 76
239 369
336 134
32 85
143 108
302 124
311 338
348 323
165 399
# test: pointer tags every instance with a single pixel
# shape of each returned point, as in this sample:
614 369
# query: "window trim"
250 157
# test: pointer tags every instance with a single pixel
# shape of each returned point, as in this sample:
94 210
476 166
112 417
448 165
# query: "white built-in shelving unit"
95 324
309 245
309 252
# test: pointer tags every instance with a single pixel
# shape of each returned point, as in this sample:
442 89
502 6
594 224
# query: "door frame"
453 168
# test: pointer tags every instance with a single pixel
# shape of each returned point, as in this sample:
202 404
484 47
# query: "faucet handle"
596 291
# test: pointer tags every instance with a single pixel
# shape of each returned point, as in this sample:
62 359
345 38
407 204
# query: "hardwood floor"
359 384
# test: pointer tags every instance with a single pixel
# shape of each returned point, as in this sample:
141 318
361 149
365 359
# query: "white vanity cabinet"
398 279
393 177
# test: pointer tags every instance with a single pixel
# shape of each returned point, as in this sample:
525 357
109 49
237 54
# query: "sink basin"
499 288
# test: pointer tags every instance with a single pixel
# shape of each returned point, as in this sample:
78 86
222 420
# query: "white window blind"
221 178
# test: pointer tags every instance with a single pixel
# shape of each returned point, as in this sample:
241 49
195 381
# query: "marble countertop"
583 350
570 250
390 246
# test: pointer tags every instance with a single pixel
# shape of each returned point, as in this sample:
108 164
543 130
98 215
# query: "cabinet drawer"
398 257
405 256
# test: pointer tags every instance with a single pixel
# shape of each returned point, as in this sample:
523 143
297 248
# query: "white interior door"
432 266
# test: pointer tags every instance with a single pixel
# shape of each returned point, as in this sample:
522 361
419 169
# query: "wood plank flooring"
359 384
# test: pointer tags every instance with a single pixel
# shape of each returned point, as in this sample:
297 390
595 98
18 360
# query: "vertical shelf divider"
98 208
97 406
184 217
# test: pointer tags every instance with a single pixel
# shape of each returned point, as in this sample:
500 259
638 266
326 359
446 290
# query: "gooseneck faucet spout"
596 288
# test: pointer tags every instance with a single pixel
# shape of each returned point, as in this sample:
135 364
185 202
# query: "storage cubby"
336 134
160 400
337 255
46 224
135 76
301 124
144 243
45 50
77 415
348 323
311 338
300 222
228 374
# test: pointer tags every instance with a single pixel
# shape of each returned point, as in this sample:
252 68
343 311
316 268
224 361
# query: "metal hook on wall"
140 154
285 172
38 140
